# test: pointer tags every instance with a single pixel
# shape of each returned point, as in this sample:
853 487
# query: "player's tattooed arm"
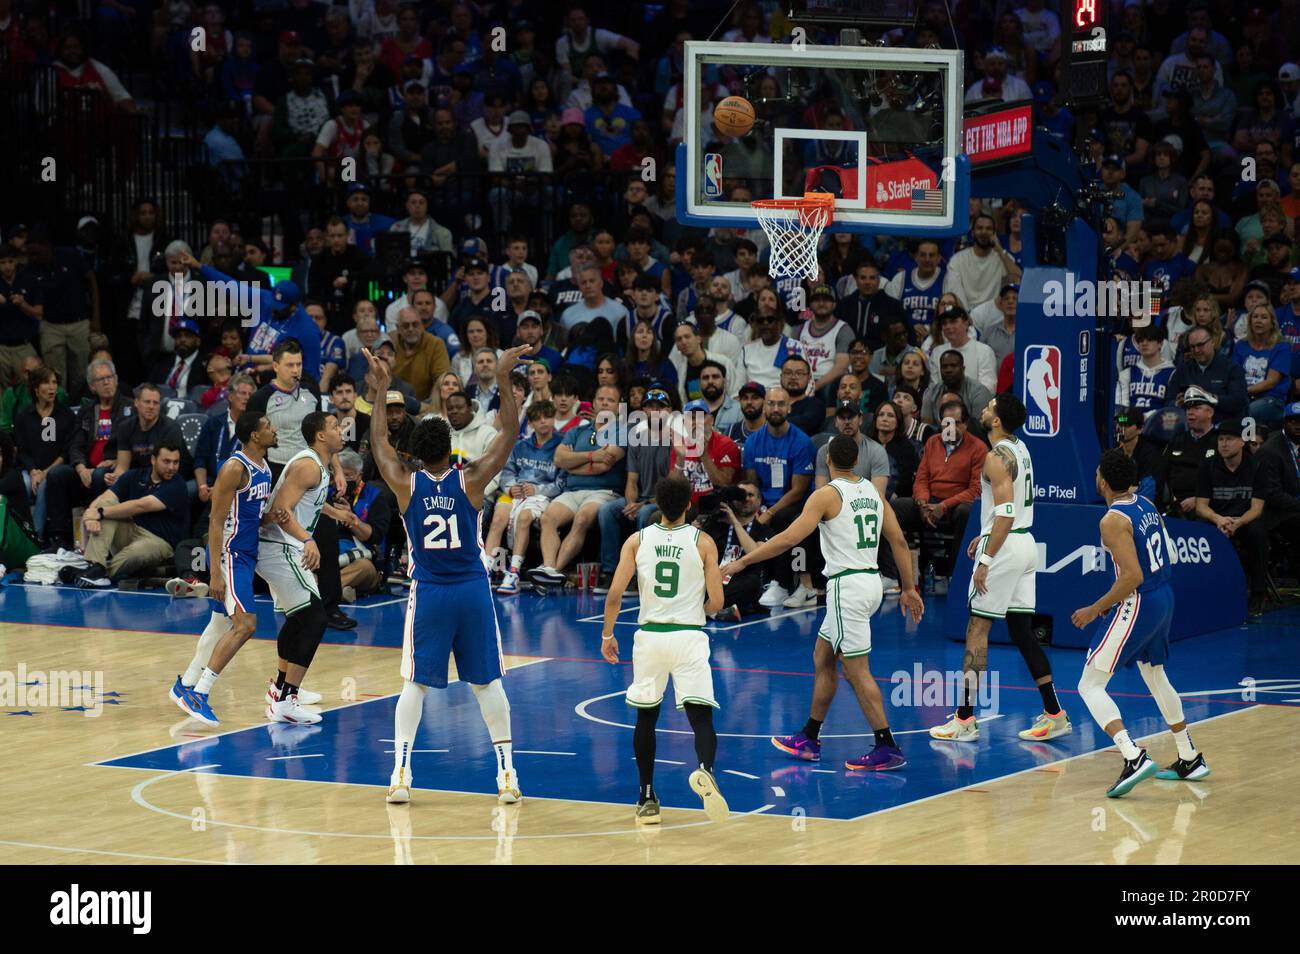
1008 461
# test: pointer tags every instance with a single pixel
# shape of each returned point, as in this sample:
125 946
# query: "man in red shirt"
707 458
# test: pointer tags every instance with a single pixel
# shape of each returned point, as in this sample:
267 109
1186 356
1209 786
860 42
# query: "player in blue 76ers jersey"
450 609
1137 629
240 496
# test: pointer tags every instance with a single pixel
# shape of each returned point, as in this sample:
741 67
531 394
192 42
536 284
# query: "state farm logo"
900 189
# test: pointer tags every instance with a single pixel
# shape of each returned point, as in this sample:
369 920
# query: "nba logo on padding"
713 175
1042 390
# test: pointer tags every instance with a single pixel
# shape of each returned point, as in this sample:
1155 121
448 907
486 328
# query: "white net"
793 227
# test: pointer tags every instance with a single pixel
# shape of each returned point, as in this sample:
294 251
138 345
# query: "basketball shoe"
647 812
305 696
706 786
291 710
1186 770
882 758
399 786
957 730
508 788
196 704
1134 771
799 746
1047 727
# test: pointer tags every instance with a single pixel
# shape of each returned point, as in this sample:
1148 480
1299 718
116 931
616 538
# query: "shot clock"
1085 50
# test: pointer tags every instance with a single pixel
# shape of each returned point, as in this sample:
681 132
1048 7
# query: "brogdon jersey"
1022 498
670 575
851 539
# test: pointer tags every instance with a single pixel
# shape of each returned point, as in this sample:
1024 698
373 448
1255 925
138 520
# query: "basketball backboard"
880 127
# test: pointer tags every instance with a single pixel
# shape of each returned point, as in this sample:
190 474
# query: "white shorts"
532 505
682 654
575 500
852 598
292 586
1011 587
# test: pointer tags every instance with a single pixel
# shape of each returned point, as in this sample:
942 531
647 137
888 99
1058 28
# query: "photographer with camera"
729 517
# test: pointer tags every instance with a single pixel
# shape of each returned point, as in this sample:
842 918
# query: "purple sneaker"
799 746
882 758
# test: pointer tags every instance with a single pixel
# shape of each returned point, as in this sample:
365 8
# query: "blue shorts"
446 619
1137 630
238 570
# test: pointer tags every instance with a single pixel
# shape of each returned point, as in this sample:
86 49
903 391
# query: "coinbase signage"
1055 374
1074 570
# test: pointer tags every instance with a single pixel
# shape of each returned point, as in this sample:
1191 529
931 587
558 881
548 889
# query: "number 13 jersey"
670 576
443 529
851 539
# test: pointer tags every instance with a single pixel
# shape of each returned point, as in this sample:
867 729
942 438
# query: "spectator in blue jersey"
593 305
529 482
362 224
1266 361
135 524
648 305
363 536
278 316
917 289
870 307
1141 386
1167 264
645 357
333 356
1127 206
595 473
608 122
1211 372
780 460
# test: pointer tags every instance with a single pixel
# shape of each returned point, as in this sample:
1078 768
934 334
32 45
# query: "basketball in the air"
734 116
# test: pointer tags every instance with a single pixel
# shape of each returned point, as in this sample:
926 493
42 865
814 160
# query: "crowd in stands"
120 406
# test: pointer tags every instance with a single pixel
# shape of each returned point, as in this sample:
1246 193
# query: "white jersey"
1022 499
670 576
851 539
820 349
307 510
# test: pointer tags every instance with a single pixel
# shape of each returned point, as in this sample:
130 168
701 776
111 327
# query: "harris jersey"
1149 539
671 571
240 533
1022 498
443 528
850 540
307 510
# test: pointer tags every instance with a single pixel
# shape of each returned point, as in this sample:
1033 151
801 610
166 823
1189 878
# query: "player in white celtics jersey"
851 516
286 558
1002 585
678 581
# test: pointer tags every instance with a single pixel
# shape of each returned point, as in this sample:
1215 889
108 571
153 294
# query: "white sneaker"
291 710
706 786
399 786
508 788
305 696
774 595
955 730
802 596
889 586
509 584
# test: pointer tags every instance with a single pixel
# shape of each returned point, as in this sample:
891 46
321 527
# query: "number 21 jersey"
443 529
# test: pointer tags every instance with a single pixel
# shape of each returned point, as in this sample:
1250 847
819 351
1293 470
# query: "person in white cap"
1288 75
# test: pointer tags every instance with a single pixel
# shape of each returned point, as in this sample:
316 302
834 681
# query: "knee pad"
1092 690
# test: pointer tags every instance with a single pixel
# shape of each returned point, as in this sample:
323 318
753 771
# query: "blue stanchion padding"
1073 571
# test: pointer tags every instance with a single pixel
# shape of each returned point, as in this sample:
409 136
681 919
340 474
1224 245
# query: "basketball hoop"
793 228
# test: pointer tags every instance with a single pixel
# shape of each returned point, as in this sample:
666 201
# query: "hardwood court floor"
319 798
